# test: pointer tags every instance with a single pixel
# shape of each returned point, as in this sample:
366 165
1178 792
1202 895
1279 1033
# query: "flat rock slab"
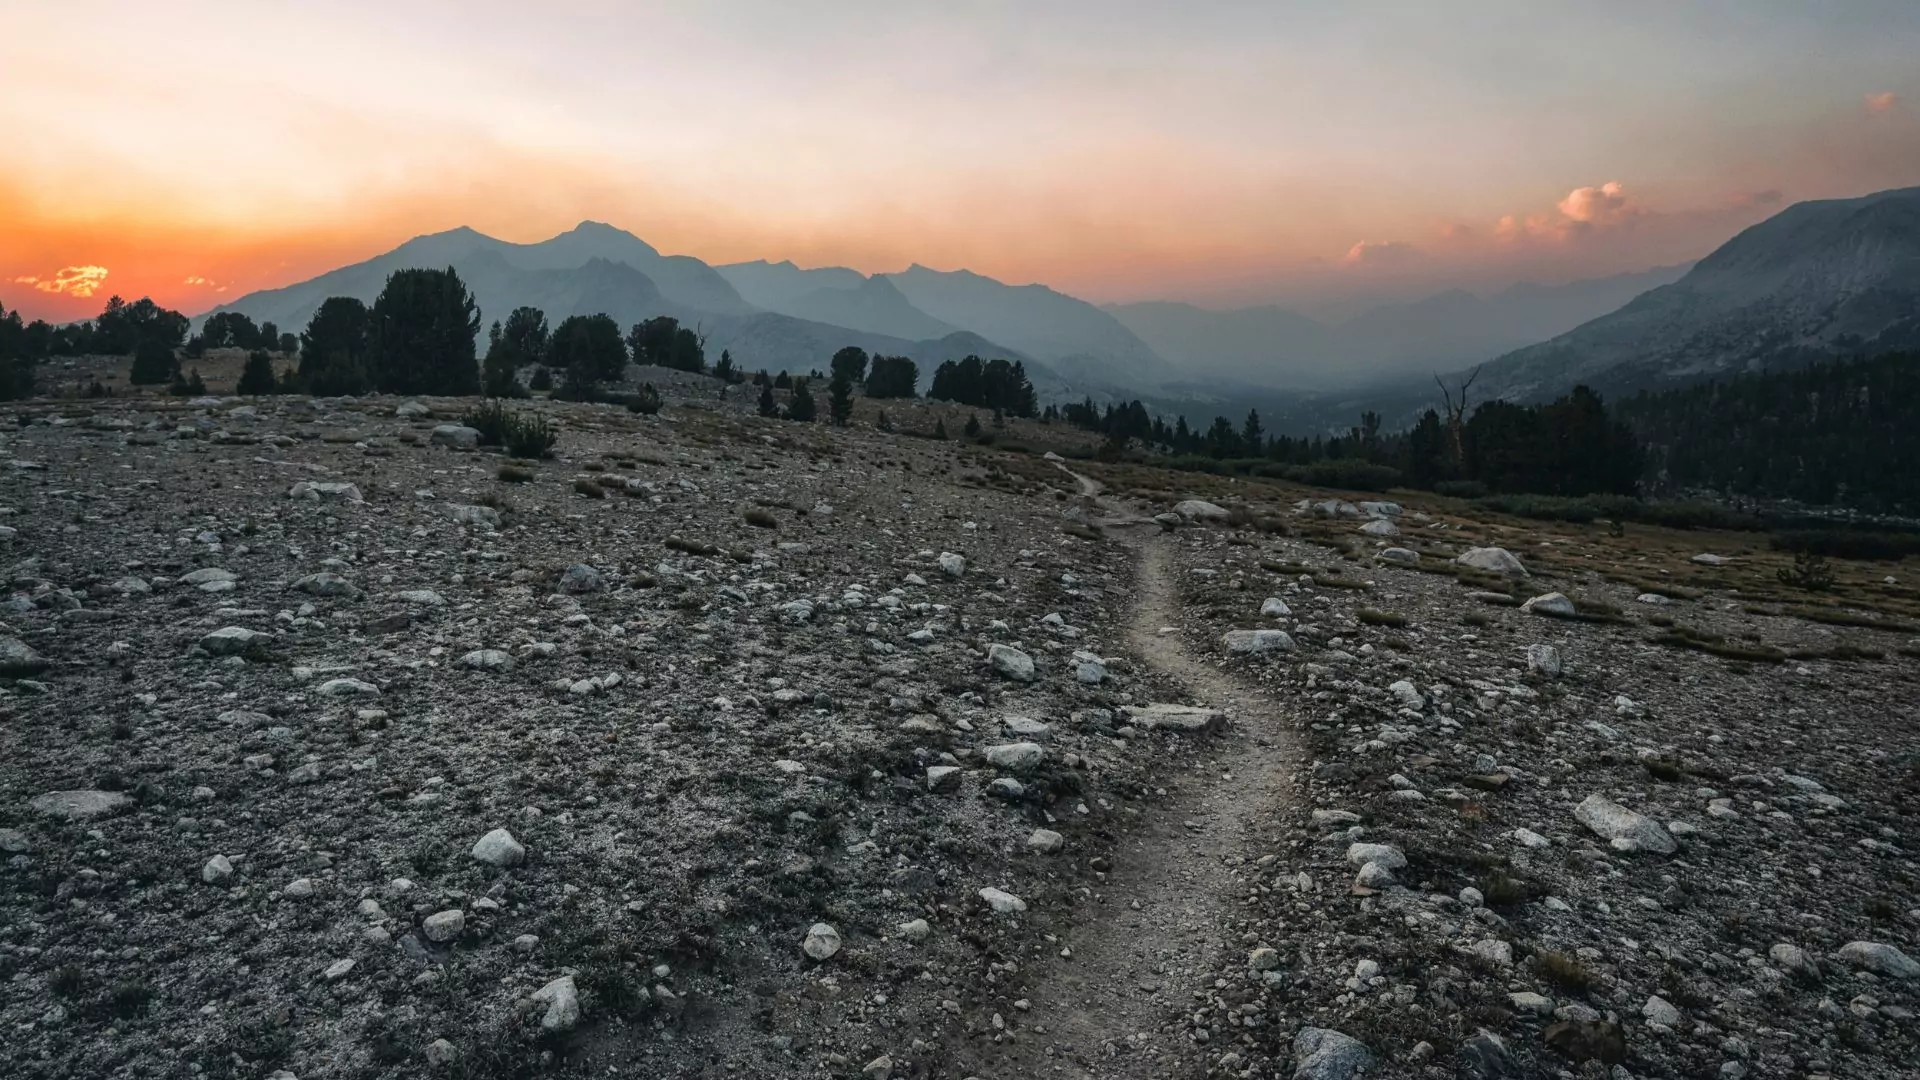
1624 829
80 805
1176 717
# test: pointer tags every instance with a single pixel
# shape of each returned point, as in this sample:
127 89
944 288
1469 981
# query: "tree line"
1836 432
1568 447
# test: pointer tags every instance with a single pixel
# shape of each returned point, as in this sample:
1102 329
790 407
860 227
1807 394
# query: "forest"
1832 433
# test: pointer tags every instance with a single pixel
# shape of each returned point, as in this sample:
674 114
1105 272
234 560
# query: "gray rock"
1027 728
1247 642
1003 903
1190 718
1624 829
1010 662
338 970
1407 695
1199 510
208 575
17 658
456 436
499 848
1794 959
914 929
485 517
821 942
348 688
421 598
1015 757
1046 841
488 660
1494 560
1553 604
1335 819
314 491
1385 855
325 584
14 842
1484 1056
562 1000
407 410
1275 608
1543 660
444 926
1881 959
580 578
1659 1010
80 805
943 778
233 641
952 565
217 871
1380 527
1325 1054
1404 556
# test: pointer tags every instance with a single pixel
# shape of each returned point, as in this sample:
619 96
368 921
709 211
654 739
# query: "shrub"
257 377
189 385
153 364
1460 489
532 437
514 474
1375 617
801 407
645 401
1345 473
1848 543
542 379
760 519
589 487
1810 572
492 420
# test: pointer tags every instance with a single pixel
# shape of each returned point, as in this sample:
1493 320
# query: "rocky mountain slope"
1818 279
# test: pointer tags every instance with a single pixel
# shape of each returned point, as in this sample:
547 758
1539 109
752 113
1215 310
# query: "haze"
1220 153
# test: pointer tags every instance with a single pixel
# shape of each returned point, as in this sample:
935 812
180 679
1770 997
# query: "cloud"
1882 102
198 280
71 280
1603 205
1381 253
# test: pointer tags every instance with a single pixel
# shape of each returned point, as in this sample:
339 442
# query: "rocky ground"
1537 845
720 746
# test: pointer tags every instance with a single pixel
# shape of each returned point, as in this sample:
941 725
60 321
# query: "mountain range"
1819 278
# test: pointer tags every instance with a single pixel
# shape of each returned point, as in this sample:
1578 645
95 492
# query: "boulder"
1189 718
80 805
1325 1054
1493 560
499 848
1257 641
456 436
18 659
1010 662
1553 604
1621 827
1881 959
1199 510
1380 527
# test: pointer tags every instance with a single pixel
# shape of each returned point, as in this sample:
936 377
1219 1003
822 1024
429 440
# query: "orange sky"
1227 153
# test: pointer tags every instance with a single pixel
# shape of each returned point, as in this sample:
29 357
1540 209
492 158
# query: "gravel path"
1165 914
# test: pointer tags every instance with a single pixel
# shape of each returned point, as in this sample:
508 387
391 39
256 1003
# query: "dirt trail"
1161 919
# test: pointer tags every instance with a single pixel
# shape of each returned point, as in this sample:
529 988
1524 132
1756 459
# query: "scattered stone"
1046 841
952 565
1247 642
499 848
80 805
217 871
1624 829
1011 663
1553 604
1494 560
821 942
456 436
444 926
580 578
1200 510
488 660
1015 757
1543 660
562 1000
1003 903
1275 608
233 641
1325 1054
1881 959
1188 718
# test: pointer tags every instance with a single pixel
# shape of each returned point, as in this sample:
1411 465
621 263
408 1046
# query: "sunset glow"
1219 152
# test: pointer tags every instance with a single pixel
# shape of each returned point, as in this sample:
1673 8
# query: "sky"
1222 153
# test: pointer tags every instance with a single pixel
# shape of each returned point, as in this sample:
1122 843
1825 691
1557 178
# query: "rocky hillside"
1818 279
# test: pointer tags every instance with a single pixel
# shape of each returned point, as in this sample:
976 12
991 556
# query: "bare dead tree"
1457 415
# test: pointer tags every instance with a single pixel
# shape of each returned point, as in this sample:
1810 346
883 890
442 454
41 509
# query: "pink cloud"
1380 253
1882 102
71 280
1601 205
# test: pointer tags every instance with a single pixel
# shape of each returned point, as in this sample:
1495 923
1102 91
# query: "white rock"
914 929
1881 959
952 565
821 941
1385 855
218 871
1275 608
1406 556
1543 660
348 688
444 925
1493 560
1199 510
1624 829
562 1000
1659 1010
1015 757
1380 527
1248 642
1046 841
233 641
1552 603
1003 903
1325 1054
1407 695
485 517
488 660
1708 559
1011 662
943 778
499 848
1188 718
457 436
80 805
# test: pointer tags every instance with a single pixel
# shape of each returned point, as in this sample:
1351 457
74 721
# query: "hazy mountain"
1819 278
1273 346
1075 338
591 270
834 295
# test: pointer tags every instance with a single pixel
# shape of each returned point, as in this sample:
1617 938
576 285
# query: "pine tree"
768 407
257 377
153 364
801 407
421 331
840 397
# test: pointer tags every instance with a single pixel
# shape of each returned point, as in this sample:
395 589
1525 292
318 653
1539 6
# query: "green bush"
1847 544
645 401
1348 474
492 420
532 437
